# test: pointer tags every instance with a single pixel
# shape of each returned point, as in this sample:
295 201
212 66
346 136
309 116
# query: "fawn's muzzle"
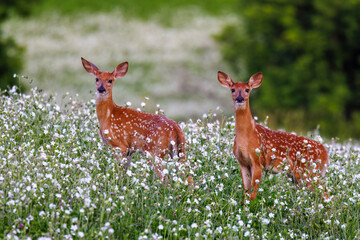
239 98
101 89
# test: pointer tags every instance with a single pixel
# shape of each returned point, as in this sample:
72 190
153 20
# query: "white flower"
161 227
87 202
52 206
81 234
48 175
194 225
265 221
74 227
106 131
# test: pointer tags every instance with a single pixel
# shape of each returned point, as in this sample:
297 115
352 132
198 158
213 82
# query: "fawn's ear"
255 80
121 70
225 80
89 67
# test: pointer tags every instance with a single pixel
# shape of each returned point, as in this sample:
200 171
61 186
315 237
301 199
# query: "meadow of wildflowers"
59 181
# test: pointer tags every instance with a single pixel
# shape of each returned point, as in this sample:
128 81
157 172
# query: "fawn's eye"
96 79
110 81
247 90
233 90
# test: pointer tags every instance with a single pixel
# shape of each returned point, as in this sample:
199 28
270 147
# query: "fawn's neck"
244 122
104 108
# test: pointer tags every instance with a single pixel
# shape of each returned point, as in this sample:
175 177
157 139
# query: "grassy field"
58 181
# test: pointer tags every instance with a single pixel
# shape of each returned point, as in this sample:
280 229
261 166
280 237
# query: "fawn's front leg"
255 181
246 178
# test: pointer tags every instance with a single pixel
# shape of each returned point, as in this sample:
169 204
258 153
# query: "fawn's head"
105 80
240 91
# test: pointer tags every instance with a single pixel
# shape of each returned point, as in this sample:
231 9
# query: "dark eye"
247 90
110 81
97 79
233 90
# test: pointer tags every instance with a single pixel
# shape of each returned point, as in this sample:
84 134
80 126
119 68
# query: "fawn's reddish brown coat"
132 130
257 147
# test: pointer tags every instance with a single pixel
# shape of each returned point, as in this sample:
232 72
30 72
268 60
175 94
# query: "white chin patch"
240 105
101 94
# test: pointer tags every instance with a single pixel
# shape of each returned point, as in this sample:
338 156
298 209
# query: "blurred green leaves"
10 53
10 62
309 52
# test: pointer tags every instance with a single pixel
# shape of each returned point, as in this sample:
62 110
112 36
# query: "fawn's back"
141 131
277 147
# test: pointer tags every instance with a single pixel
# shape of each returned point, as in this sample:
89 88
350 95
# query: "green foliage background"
309 52
142 9
10 53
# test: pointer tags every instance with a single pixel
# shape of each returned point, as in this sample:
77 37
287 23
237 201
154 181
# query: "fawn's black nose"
101 89
239 98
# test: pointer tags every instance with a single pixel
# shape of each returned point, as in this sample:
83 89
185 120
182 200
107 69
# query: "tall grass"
58 181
